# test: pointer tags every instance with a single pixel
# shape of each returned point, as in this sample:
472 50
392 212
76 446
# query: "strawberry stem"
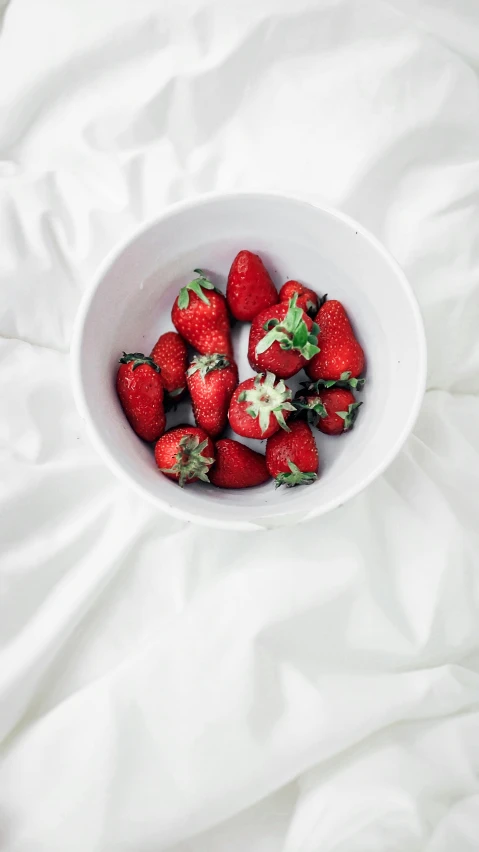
267 397
190 464
198 286
345 381
207 363
137 358
350 415
295 477
291 333
312 406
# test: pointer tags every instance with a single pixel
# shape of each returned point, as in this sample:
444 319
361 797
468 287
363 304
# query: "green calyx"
291 333
205 364
137 358
312 407
190 464
344 381
266 398
198 286
350 415
295 477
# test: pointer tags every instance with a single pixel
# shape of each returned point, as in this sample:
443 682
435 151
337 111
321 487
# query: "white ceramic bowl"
128 306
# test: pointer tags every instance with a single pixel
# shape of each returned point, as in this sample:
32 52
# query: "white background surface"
164 687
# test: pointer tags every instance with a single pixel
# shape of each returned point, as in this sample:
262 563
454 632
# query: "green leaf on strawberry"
312 407
295 477
137 358
291 333
190 464
350 415
198 285
266 398
205 364
344 381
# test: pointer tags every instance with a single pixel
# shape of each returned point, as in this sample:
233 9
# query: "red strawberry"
250 288
292 457
237 466
340 351
211 382
307 299
140 389
282 339
185 454
260 406
169 352
332 410
202 317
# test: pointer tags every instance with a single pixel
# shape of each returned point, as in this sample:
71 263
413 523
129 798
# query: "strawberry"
237 466
340 351
333 410
211 382
202 317
185 454
169 352
307 299
282 339
140 389
260 406
250 288
292 457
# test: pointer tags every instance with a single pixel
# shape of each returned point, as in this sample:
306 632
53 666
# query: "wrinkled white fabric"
164 687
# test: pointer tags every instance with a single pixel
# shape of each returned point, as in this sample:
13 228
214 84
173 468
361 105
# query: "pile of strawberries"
290 331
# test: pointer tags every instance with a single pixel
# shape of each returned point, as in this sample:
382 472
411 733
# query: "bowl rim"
276 518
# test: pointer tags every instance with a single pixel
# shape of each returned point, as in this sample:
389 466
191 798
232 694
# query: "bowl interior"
130 306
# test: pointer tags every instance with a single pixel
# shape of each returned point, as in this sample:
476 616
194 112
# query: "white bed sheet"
163 687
